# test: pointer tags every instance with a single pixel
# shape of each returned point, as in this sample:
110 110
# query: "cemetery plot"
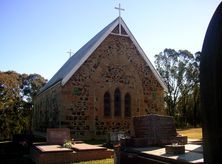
56 152
156 141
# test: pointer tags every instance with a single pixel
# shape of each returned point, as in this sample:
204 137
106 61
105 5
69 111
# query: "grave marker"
154 129
57 135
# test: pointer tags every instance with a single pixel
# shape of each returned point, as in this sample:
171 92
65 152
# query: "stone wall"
46 110
116 63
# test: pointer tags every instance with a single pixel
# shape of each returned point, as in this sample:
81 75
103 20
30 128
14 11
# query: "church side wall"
114 65
46 110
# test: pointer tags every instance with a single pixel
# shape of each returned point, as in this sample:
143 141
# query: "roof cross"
70 53
119 8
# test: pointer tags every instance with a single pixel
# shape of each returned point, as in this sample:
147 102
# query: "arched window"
127 105
107 104
117 102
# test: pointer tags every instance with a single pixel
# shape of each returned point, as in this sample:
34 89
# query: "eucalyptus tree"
16 101
180 72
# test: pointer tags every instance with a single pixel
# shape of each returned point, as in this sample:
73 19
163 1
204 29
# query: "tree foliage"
16 94
180 72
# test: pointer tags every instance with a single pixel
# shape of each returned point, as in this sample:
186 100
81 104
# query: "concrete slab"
51 154
194 148
86 147
193 153
52 148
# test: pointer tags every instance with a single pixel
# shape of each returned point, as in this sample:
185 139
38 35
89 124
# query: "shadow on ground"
17 150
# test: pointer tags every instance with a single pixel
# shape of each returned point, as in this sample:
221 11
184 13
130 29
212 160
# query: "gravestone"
175 149
211 88
57 135
154 130
115 136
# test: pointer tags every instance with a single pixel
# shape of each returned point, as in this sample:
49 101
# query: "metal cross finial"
119 8
70 53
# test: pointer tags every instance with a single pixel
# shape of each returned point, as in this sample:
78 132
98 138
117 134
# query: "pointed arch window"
127 105
107 104
117 102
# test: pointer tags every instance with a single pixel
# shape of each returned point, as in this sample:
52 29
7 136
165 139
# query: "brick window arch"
117 102
127 105
107 104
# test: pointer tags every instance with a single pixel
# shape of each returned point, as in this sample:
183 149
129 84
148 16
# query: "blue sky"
35 35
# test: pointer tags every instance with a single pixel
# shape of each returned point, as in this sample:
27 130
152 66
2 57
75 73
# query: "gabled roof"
75 61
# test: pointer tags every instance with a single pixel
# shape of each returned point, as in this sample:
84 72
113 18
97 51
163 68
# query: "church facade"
101 87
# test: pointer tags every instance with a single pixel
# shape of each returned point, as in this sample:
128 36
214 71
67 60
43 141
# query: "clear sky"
35 35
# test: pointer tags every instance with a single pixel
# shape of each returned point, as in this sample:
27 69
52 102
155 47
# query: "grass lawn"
193 133
103 161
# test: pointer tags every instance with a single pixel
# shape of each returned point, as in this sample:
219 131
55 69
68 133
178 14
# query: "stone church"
101 87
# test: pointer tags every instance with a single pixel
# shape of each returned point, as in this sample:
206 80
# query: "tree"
31 84
16 95
9 89
180 72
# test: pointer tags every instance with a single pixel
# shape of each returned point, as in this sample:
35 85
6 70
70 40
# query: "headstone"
57 135
175 149
154 129
115 136
211 88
